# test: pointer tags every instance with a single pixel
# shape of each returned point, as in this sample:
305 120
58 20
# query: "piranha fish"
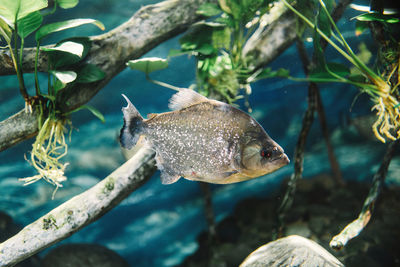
204 140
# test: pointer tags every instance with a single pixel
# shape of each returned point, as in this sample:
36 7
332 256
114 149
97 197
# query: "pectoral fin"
168 176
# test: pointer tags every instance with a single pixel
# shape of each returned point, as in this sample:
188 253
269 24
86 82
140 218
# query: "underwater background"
157 224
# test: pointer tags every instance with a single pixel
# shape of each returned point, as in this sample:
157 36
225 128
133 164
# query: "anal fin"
227 174
167 178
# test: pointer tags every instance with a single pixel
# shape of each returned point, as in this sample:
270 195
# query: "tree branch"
275 33
79 211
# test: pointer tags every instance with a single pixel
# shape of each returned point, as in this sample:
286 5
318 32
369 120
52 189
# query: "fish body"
204 140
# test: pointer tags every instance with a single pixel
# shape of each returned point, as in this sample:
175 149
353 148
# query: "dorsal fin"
185 98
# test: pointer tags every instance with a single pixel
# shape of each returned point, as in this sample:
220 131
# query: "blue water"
157 225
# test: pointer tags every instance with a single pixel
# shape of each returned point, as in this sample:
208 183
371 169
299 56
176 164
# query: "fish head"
261 155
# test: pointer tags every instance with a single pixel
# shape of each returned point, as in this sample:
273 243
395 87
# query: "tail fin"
130 132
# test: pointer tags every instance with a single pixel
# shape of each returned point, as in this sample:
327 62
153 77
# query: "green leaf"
221 38
177 52
94 111
269 73
244 10
63 25
5 30
64 76
50 97
90 73
68 47
377 17
357 78
282 73
318 51
58 85
224 6
205 49
65 4
29 24
148 65
324 23
209 10
68 52
337 68
200 38
11 9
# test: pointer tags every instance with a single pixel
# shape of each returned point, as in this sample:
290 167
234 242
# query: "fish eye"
269 153
265 153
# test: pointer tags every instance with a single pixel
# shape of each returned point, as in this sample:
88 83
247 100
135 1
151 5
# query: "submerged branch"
355 227
313 105
337 174
209 212
298 158
300 146
79 211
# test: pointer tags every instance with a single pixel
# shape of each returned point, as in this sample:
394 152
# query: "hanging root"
387 110
48 148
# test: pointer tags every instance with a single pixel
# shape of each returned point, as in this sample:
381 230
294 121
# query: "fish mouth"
282 158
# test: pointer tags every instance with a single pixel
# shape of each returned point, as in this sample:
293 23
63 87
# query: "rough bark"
271 38
17 128
79 211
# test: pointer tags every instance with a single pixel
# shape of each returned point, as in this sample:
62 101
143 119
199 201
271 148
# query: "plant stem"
18 65
341 51
358 62
167 85
326 80
36 70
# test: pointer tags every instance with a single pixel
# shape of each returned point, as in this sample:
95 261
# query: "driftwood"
272 37
291 251
79 211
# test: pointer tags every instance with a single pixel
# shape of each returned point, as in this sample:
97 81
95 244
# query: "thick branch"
79 211
17 128
275 34
150 26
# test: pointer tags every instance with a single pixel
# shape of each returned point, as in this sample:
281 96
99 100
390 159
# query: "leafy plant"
380 86
19 19
217 44
222 70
